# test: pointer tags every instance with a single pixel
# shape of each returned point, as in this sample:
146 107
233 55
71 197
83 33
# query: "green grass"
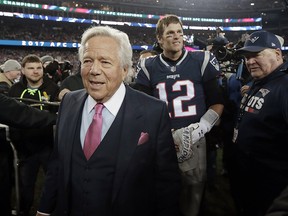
218 200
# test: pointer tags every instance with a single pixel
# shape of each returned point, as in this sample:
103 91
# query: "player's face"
101 69
33 72
172 38
263 63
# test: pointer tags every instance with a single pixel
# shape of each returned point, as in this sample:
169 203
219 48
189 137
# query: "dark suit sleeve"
280 205
168 177
50 190
17 114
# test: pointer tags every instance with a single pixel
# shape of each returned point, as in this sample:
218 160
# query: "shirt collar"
113 104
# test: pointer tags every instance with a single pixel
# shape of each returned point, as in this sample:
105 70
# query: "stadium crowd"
35 30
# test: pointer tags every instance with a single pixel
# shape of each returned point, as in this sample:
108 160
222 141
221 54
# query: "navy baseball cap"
261 40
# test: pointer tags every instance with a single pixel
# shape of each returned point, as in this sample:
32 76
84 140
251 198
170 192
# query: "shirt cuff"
43 213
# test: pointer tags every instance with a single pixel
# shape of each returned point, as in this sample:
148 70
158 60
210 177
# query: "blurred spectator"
71 83
11 73
55 70
47 59
34 146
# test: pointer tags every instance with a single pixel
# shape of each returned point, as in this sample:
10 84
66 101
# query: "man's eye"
105 62
87 62
169 34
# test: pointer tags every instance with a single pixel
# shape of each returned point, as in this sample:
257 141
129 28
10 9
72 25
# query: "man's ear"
124 73
279 54
159 40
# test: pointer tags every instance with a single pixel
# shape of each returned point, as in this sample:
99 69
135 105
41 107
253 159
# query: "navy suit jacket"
279 206
155 160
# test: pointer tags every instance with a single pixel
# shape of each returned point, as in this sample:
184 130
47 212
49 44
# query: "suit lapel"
130 130
74 115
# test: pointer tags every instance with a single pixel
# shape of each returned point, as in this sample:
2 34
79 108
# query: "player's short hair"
164 22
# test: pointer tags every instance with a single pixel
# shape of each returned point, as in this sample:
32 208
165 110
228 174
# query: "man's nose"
177 35
95 68
250 60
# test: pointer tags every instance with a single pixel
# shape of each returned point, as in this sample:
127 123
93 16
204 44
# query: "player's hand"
183 143
198 131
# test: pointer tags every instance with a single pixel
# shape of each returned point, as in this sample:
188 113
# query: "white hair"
125 48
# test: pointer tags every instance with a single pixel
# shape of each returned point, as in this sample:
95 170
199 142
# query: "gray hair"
125 51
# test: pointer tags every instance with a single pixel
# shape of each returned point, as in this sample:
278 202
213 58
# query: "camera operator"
55 70
234 75
71 83
65 69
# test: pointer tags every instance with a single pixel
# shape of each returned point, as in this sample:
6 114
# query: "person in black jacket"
34 146
71 83
16 114
261 130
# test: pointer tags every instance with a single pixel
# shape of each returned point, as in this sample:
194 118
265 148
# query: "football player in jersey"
187 82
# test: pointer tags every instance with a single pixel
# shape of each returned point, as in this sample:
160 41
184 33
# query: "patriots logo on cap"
254 39
273 44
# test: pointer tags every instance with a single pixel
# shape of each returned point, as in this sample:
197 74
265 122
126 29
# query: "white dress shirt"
109 112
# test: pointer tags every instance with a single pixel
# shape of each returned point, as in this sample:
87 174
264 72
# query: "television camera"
230 62
58 71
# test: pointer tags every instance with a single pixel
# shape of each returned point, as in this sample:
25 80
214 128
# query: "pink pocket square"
144 137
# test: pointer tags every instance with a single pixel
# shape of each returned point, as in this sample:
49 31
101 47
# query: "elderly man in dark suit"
134 169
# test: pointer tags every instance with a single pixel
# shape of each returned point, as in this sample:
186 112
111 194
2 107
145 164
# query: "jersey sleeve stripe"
142 63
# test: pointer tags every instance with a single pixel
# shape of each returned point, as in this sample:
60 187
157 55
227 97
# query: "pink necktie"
93 135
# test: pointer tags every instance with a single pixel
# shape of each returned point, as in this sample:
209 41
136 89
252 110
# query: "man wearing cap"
47 59
50 66
11 73
261 130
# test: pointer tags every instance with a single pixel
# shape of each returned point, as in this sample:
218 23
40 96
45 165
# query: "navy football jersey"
180 85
